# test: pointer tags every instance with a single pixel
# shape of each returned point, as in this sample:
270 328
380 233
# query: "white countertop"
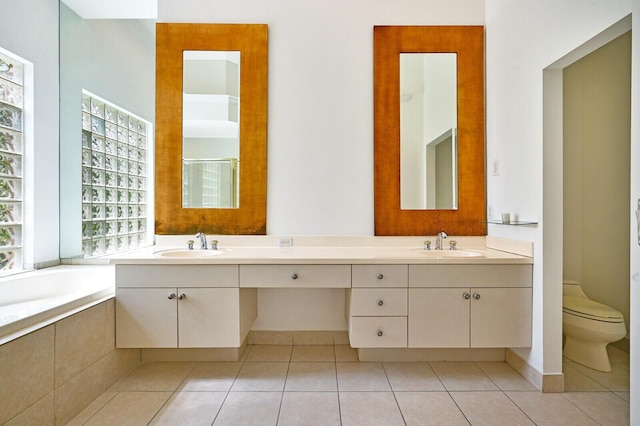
319 255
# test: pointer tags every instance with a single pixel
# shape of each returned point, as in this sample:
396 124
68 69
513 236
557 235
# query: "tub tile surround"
52 374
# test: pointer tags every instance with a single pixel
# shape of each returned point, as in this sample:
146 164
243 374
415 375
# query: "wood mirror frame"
171 41
468 43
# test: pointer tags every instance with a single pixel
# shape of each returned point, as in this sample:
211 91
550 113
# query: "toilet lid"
586 308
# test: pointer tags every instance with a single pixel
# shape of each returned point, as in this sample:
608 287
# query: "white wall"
320 120
522 39
30 29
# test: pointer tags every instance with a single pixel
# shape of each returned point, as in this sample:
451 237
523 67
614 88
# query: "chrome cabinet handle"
294 276
182 296
476 296
380 276
466 296
380 302
379 333
171 296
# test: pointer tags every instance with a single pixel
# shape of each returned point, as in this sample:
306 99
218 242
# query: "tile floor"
325 385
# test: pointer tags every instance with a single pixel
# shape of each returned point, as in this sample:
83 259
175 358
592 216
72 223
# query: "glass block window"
114 178
11 162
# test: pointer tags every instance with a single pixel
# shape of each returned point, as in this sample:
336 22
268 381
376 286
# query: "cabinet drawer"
297 276
176 275
379 275
470 275
379 301
379 332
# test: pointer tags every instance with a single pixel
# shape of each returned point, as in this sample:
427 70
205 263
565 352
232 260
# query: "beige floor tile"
92 409
617 355
490 408
155 376
130 408
462 376
429 408
369 408
250 408
311 376
576 381
313 353
616 380
190 408
412 376
605 407
550 409
624 395
503 375
261 376
309 408
313 337
355 376
211 377
341 337
345 353
269 353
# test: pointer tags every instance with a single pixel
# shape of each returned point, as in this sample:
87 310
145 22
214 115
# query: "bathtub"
32 300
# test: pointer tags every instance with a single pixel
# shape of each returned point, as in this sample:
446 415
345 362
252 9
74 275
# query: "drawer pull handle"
476 296
380 276
380 302
182 296
294 276
466 296
379 333
171 296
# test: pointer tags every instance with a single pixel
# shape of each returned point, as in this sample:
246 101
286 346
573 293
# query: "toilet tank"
572 288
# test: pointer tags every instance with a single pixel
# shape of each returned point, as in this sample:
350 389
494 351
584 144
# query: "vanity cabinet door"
501 317
146 318
208 317
438 318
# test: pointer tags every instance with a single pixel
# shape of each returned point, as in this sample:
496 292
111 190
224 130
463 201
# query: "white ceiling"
114 9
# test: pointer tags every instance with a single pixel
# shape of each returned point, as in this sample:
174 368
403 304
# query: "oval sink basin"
188 254
449 253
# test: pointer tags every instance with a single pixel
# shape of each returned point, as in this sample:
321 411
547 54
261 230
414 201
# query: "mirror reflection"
210 129
428 131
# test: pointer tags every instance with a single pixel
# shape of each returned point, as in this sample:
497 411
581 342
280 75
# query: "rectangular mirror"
428 137
210 129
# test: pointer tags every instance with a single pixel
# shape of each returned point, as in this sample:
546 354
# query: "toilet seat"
586 308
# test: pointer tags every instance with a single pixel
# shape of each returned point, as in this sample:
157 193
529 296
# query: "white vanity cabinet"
377 306
477 306
182 306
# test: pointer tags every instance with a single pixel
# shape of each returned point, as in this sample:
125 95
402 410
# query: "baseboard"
192 354
415 354
548 383
329 337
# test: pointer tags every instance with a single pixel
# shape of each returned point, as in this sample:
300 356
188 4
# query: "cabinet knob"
476 296
182 296
466 296
171 296
379 333
380 302
294 276
380 276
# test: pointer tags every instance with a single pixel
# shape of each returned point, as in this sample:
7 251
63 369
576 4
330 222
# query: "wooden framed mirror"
467 216
242 47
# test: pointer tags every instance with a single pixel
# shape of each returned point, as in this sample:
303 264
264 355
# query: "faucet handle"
427 245
452 245
190 244
214 244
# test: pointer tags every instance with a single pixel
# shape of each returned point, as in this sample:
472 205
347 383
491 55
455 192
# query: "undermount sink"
188 254
441 254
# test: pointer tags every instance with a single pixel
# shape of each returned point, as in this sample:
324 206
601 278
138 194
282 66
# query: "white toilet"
588 327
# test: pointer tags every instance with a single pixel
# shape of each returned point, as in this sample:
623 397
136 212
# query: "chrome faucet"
441 236
203 240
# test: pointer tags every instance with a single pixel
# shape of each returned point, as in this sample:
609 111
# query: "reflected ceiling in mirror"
210 129
246 214
466 43
428 121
